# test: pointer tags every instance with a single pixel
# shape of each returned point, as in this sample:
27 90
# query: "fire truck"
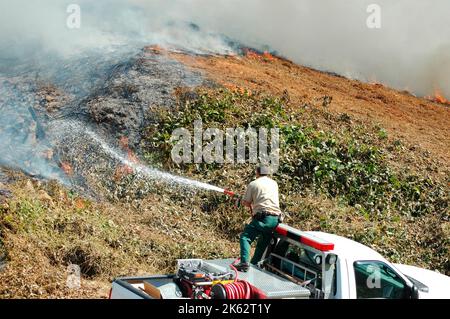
296 265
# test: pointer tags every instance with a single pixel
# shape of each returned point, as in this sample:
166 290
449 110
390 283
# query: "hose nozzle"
235 196
229 193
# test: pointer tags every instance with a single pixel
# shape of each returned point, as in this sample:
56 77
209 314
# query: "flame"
80 204
67 168
253 55
438 97
123 142
268 56
238 89
155 49
124 170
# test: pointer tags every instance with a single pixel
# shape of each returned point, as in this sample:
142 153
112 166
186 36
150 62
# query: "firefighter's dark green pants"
264 229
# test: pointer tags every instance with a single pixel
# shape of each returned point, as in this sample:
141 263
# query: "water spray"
153 173
142 170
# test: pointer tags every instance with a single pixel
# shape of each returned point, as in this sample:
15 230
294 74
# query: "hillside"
420 122
360 160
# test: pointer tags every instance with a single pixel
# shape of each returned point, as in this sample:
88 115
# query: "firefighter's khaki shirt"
262 193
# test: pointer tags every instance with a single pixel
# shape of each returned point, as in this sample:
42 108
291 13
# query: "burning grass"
414 120
438 98
265 56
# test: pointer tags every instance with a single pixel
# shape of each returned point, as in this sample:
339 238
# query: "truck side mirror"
414 292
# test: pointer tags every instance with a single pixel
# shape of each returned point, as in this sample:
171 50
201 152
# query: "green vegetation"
325 158
346 163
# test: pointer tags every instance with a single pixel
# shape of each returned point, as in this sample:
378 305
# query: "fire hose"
239 289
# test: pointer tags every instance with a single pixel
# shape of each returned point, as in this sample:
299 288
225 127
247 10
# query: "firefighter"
262 199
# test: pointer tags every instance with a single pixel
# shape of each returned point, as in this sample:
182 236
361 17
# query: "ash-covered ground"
57 127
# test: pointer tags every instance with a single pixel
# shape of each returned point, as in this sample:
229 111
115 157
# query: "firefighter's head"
262 170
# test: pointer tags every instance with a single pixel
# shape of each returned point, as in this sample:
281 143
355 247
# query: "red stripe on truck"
280 230
316 245
322 246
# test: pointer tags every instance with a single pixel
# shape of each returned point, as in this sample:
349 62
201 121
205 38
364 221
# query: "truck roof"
347 248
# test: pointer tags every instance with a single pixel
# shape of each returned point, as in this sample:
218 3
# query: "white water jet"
149 172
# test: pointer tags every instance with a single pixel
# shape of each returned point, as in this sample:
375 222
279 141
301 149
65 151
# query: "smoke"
410 51
38 30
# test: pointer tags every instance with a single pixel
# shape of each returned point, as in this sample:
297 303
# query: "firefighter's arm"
249 205
247 199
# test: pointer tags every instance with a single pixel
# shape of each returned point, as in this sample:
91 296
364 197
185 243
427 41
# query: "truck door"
375 279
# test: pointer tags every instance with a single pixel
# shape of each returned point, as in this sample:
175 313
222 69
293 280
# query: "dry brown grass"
418 121
42 235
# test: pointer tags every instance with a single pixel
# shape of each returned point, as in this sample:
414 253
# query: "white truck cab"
296 264
361 272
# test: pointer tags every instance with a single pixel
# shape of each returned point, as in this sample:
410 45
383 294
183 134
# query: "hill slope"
359 160
419 121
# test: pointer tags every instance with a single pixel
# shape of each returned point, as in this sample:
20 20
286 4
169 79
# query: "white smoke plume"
411 50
